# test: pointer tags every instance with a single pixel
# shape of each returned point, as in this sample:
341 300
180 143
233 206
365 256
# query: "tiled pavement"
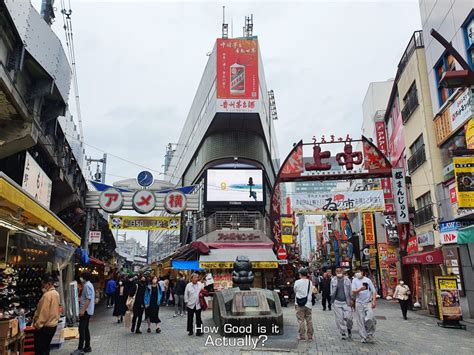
419 335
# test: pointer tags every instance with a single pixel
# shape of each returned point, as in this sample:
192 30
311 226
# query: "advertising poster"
234 186
144 223
222 281
470 134
369 231
337 202
36 182
237 75
464 173
286 230
448 298
388 258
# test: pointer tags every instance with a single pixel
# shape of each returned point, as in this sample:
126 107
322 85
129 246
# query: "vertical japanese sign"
237 75
388 258
36 182
470 133
286 230
400 195
448 298
369 232
381 136
325 230
464 172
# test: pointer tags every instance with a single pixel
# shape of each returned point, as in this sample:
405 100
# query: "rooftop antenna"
225 26
248 29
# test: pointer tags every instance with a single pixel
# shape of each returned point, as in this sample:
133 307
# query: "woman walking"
120 306
138 292
402 293
153 297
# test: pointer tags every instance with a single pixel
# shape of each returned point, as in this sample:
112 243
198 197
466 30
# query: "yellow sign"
447 294
216 264
144 223
464 172
265 264
286 230
470 134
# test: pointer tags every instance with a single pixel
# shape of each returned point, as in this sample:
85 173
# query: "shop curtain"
466 235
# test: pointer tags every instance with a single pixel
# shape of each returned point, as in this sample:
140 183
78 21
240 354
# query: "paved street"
419 335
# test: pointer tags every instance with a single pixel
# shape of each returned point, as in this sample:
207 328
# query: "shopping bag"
128 319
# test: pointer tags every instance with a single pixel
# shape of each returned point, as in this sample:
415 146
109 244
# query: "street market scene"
237 178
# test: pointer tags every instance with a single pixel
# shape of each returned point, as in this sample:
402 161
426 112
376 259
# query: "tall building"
228 150
452 112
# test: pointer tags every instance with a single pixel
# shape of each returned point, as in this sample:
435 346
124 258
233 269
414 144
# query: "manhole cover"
381 317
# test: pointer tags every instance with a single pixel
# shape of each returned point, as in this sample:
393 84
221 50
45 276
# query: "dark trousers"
43 339
84 334
404 307
326 297
110 300
191 312
137 319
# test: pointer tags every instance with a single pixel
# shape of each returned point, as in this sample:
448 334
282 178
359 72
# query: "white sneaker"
343 336
363 340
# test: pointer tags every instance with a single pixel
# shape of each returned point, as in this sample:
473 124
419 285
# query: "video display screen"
235 185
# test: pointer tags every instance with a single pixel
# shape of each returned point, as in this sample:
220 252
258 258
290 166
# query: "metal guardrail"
417 159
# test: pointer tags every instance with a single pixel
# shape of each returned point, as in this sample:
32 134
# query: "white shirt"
209 279
366 295
301 291
191 295
162 285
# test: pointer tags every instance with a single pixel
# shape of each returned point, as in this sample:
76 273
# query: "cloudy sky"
139 65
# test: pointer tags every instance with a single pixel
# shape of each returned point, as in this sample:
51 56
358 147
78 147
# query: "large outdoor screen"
236 186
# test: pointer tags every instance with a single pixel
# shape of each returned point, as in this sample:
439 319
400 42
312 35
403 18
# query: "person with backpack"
303 291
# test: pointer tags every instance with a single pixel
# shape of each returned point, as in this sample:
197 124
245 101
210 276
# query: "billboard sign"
287 230
400 195
94 237
449 230
464 172
382 144
234 186
448 298
144 223
237 75
460 110
369 230
337 202
36 182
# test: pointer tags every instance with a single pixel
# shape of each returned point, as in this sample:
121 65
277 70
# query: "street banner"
237 75
338 202
286 230
144 223
464 172
470 134
325 230
448 298
400 195
369 230
388 258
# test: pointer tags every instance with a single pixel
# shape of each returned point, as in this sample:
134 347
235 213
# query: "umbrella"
466 235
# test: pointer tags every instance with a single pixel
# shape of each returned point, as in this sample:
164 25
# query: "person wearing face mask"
120 306
402 294
363 291
46 317
153 297
86 304
341 299
139 305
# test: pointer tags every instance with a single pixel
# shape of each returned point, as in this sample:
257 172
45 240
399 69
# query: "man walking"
365 301
303 291
86 304
179 295
46 317
110 290
191 299
325 286
341 299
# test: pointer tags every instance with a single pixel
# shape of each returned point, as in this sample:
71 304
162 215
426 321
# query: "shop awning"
434 257
185 265
96 261
225 258
13 198
466 235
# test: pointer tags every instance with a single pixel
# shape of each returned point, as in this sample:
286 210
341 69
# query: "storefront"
33 242
428 264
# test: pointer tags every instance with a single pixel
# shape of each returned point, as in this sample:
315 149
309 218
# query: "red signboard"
396 139
237 69
452 193
381 136
282 254
433 257
369 230
412 245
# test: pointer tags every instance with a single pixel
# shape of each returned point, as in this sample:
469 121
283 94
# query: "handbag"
131 300
128 319
303 300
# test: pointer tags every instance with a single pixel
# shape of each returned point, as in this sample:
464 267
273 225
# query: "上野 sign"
216 264
448 298
369 231
264 264
144 223
464 173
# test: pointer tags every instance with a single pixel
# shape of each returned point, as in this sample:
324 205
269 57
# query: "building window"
424 212
445 64
418 156
410 102
469 38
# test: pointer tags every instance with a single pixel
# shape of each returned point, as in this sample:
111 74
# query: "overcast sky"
139 65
